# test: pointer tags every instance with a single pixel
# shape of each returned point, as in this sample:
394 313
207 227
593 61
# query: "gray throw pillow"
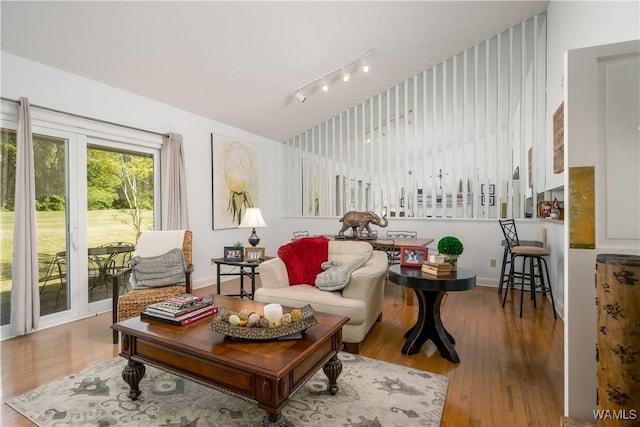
336 277
156 271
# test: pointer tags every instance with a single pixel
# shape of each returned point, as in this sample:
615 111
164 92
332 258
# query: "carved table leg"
274 420
132 374
332 369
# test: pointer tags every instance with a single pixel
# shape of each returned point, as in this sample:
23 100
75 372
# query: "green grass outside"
104 226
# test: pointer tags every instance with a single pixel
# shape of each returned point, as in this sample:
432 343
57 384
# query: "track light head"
325 86
300 96
345 76
365 67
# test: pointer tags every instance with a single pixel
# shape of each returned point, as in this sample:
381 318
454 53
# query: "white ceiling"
239 62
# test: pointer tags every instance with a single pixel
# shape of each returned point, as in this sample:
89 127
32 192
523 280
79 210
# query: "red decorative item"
303 259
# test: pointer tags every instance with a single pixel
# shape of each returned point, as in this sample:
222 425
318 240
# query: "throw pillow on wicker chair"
157 271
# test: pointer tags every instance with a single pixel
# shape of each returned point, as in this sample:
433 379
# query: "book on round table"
437 265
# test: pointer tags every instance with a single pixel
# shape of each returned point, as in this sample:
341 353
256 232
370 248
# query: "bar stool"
506 257
532 257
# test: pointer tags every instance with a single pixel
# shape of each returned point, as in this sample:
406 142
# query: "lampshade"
252 218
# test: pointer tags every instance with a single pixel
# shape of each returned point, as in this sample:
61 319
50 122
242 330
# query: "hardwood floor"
510 374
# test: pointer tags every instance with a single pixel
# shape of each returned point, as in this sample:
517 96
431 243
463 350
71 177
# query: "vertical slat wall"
446 143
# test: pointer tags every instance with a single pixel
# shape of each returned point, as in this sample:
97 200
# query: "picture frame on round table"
412 256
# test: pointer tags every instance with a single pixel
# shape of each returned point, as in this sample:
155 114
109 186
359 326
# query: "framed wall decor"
582 207
235 175
492 197
492 189
412 256
253 254
483 200
558 139
233 253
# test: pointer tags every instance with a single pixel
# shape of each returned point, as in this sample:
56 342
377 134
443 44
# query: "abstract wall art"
235 180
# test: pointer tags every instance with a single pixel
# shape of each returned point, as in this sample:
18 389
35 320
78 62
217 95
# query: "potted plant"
451 248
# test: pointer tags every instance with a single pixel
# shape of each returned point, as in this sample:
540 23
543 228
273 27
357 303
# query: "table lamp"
252 219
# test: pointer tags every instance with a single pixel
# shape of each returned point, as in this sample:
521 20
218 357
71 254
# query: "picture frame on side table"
412 256
233 253
253 254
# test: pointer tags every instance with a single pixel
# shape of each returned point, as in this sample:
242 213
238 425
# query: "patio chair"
52 272
106 260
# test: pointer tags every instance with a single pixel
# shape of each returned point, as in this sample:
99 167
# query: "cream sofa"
361 300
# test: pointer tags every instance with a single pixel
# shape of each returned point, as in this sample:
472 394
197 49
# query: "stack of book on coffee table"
436 268
180 310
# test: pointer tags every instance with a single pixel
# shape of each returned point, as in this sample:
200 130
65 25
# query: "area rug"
372 393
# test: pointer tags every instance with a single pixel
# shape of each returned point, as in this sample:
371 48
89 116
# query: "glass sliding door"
93 196
50 186
51 219
120 200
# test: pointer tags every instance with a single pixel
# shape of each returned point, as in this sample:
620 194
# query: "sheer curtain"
25 298
175 215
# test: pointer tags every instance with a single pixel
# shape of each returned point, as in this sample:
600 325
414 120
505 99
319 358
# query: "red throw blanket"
303 259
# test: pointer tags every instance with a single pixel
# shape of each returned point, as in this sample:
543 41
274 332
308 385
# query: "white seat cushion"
326 302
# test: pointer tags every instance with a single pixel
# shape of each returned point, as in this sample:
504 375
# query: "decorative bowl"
225 328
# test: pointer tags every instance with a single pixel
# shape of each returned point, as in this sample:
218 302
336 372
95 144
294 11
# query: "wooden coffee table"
264 372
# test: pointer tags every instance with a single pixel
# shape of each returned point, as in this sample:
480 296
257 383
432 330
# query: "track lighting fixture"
300 96
345 75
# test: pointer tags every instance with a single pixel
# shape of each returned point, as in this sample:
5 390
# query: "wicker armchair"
128 302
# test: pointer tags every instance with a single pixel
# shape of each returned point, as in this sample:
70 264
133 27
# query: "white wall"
54 88
575 25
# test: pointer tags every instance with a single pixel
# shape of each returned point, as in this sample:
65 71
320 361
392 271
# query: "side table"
244 268
430 290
